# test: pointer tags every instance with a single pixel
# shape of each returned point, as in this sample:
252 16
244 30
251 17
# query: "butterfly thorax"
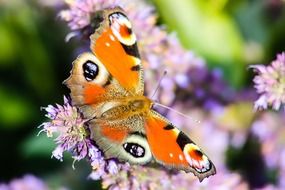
123 108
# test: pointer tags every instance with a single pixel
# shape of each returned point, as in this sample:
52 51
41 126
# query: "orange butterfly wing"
172 148
114 44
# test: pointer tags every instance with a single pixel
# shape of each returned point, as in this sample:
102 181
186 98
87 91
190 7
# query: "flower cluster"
272 137
68 124
27 182
270 83
268 127
139 177
188 84
160 52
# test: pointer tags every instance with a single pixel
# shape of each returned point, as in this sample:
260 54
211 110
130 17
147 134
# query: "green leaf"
38 145
15 110
6 44
24 48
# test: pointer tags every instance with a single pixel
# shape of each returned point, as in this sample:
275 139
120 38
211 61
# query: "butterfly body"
125 108
107 85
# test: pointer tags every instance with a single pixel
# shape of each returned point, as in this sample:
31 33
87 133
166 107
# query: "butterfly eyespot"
198 153
125 31
134 149
90 70
122 28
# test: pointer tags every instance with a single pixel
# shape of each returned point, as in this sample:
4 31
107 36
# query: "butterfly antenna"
159 83
177 112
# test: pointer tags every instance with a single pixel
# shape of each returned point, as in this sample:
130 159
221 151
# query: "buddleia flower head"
71 130
270 84
27 182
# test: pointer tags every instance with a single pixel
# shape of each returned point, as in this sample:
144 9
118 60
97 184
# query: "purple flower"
139 177
270 83
28 182
71 130
67 122
268 127
168 55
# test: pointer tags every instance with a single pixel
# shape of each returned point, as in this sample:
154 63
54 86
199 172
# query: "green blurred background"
34 60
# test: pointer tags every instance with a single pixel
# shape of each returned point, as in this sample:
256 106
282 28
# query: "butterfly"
107 85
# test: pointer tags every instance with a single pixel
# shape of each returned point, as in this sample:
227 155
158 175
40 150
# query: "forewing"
115 45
